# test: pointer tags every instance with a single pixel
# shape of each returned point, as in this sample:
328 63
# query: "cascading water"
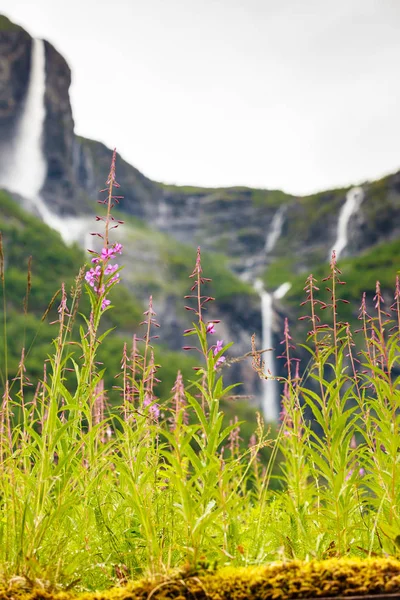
354 197
276 229
282 290
26 173
270 388
27 165
71 229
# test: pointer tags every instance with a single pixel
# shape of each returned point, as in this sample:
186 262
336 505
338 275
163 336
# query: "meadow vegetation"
92 495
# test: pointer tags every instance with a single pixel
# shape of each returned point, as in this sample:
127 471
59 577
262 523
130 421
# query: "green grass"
87 491
93 492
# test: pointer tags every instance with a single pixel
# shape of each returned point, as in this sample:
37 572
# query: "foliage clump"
93 495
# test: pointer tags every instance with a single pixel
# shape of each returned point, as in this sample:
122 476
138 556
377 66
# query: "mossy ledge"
332 578
7 25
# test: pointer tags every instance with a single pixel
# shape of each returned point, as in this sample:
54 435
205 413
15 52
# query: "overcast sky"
299 95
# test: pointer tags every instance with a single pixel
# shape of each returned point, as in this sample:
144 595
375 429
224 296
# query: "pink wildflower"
218 347
104 303
220 361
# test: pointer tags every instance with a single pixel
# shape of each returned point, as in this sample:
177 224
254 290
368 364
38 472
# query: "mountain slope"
242 231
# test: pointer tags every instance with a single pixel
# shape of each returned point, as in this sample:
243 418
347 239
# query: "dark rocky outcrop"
60 189
141 196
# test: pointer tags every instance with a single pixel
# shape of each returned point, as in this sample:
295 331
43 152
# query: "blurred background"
300 96
265 132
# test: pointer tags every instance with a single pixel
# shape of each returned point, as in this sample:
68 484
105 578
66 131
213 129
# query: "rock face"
60 189
237 222
141 196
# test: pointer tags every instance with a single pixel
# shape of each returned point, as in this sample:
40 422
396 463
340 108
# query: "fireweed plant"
342 469
91 496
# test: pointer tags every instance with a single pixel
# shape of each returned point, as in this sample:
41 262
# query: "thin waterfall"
276 229
354 197
270 388
270 392
28 166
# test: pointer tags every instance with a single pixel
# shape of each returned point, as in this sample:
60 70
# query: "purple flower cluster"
218 346
103 275
108 253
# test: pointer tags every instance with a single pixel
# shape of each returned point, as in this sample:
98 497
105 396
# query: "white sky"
299 95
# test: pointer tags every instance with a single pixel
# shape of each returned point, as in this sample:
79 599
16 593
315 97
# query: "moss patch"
291 580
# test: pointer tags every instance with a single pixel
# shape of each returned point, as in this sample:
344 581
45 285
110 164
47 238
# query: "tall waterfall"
27 168
270 397
27 165
354 197
270 388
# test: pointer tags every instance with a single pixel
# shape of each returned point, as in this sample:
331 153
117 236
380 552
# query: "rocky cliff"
238 221
60 189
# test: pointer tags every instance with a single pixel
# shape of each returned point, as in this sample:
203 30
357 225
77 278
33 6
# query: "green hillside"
52 263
